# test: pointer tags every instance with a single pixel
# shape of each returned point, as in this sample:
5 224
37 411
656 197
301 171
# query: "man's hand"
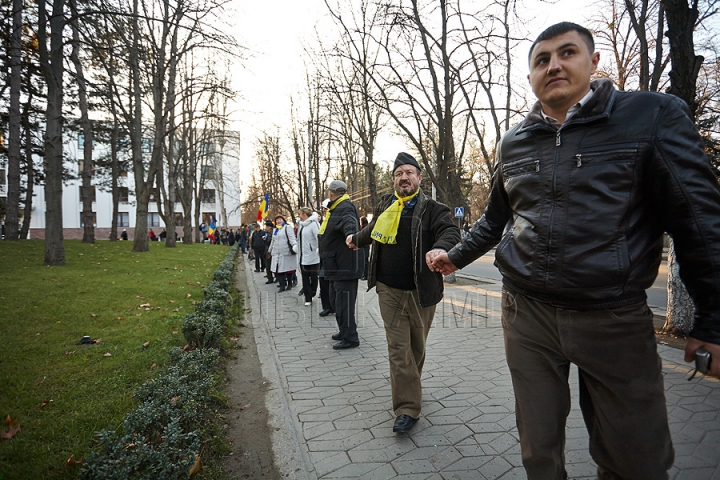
437 261
349 242
693 344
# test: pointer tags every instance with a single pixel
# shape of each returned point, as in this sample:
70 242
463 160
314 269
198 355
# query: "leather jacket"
578 212
338 261
432 227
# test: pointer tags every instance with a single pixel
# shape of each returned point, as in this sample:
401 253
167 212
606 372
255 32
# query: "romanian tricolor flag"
212 226
264 207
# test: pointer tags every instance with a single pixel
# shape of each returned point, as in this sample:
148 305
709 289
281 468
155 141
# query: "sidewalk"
331 410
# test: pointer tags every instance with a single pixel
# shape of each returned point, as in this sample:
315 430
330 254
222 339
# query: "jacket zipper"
558 143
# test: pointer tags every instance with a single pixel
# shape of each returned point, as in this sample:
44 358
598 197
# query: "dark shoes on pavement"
345 344
326 312
336 336
404 423
269 281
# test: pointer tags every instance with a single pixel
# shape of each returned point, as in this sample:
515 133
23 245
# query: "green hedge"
161 438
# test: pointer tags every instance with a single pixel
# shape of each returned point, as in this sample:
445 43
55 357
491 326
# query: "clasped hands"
437 259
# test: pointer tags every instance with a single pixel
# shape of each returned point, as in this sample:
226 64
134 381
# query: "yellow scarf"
327 215
387 223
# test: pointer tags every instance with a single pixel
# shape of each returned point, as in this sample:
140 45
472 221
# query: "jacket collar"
599 106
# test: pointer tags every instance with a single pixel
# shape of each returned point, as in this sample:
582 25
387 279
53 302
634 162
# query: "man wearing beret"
342 267
406 225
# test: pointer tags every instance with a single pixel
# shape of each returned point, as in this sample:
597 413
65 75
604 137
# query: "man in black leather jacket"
407 290
342 267
583 190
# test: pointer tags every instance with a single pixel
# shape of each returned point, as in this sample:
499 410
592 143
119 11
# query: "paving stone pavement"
332 410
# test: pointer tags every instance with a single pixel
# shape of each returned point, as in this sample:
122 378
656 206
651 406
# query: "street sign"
459 212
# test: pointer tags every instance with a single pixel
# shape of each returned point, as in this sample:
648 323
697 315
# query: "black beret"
405 159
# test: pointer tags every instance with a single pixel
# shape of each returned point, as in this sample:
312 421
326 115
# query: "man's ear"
595 59
528 78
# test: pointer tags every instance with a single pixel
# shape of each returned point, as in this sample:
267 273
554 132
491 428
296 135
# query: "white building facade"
216 197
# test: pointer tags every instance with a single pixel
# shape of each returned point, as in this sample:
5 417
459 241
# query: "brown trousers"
406 328
622 397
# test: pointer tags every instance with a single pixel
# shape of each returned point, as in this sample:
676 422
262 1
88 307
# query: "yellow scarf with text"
386 227
327 215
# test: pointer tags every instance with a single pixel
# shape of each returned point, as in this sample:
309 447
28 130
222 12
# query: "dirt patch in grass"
246 417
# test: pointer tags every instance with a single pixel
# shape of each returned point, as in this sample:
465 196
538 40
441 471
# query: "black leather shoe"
282 289
256 271
336 336
404 423
345 344
269 282
326 312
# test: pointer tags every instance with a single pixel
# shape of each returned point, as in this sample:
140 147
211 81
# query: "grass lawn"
60 391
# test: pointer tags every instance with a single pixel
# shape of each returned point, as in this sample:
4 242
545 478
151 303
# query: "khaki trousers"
406 328
621 387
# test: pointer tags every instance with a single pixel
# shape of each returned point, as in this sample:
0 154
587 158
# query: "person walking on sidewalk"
406 226
341 265
257 244
582 192
308 257
267 238
284 261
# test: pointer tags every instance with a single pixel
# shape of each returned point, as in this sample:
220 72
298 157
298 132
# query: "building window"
81 141
146 145
81 165
208 173
153 219
208 195
179 221
124 194
94 220
92 194
123 219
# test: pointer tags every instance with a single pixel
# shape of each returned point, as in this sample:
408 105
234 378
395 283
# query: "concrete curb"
291 457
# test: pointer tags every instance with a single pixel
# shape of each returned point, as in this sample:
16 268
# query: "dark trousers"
325 293
268 270
259 259
622 397
309 280
343 296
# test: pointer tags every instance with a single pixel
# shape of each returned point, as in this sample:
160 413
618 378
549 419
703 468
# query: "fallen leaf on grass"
69 352
235 339
172 301
72 461
93 315
153 365
189 295
10 433
37 383
144 305
108 354
195 468
43 404
146 344
10 421
185 348
139 296
175 310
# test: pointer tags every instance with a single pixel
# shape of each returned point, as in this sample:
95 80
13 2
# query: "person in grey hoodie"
308 257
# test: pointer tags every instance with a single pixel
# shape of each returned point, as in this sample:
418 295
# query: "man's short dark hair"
564 27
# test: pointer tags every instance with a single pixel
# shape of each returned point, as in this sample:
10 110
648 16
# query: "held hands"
693 344
349 242
437 261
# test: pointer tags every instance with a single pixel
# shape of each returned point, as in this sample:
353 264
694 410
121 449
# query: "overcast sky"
276 32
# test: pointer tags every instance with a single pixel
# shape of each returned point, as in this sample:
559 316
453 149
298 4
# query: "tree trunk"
87 213
686 65
114 174
12 204
680 307
53 71
142 188
30 168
